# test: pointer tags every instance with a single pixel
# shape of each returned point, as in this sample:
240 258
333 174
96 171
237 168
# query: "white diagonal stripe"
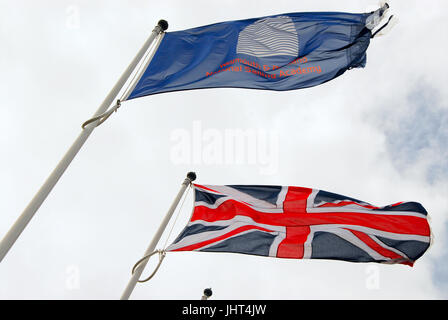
281 197
234 223
380 243
310 200
277 240
243 197
350 237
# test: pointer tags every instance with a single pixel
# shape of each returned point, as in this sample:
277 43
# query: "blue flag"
281 52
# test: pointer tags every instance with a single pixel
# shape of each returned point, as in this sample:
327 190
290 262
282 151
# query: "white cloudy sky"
378 134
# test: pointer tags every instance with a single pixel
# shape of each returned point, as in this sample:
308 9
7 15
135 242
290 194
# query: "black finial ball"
191 176
208 292
163 24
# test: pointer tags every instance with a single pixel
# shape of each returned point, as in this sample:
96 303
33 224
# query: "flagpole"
191 176
26 216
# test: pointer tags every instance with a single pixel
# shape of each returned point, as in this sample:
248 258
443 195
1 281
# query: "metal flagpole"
191 176
26 216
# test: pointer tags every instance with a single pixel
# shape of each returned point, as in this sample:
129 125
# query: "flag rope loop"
103 117
382 27
161 253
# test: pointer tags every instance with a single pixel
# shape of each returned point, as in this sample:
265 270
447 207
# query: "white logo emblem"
269 37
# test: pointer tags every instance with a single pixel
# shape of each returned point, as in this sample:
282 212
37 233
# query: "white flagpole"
26 216
191 176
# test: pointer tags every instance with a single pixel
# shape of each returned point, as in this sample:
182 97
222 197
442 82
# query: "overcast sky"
379 134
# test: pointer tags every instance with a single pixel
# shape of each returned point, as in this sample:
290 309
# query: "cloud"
417 131
377 134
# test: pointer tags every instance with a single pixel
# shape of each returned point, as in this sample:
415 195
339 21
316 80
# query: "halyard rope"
177 216
130 84
162 252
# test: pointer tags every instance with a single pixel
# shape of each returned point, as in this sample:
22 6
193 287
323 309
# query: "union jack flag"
303 223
